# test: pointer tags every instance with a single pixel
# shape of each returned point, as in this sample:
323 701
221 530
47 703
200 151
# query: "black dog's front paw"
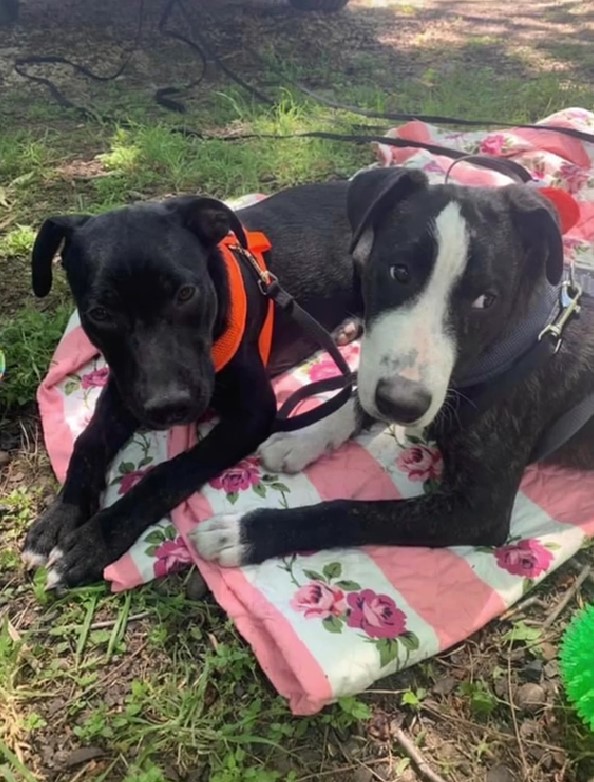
79 558
234 539
54 525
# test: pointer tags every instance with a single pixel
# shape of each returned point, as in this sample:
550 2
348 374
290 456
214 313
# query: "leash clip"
265 278
569 303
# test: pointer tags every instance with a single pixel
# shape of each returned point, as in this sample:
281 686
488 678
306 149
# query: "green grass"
28 340
175 694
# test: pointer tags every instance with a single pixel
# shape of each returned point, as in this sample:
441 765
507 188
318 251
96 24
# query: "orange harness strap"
228 343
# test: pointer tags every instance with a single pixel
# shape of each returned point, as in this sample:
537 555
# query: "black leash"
270 288
22 62
204 50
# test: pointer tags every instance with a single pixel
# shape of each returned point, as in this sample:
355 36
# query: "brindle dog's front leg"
247 414
472 506
110 427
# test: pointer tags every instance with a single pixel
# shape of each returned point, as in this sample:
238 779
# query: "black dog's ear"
51 235
371 195
208 218
538 225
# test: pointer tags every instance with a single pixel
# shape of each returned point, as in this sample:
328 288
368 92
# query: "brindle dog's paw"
58 521
219 540
79 558
290 452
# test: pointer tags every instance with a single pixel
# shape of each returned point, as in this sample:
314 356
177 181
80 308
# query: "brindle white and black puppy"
449 274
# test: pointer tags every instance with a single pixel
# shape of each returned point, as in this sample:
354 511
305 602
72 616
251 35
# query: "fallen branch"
528 603
512 708
577 566
408 746
562 604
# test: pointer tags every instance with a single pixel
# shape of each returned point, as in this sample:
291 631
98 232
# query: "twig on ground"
407 745
493 732
333 771
577 567
112 622
567 597
528 603
373 773
512 709
102 625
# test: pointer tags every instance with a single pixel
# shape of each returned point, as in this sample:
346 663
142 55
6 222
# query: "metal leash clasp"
265 278
569 305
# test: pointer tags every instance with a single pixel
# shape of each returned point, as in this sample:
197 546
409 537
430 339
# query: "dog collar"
517 340
494 386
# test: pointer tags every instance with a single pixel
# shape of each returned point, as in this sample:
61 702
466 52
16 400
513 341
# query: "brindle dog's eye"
100 314
484 301
400 273
186 293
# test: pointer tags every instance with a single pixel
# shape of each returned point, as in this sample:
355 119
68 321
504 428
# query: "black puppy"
458 284
153 294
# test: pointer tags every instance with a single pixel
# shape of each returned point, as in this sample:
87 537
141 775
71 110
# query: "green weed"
28 341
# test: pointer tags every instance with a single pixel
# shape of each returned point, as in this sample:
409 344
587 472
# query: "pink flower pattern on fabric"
238 478
376 614
528 558
171 557
420 463
573 177
493 144
319 601
130 479
94 379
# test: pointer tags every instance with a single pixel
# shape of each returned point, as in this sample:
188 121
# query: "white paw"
32 559
54 573
218 540
55 556
290 452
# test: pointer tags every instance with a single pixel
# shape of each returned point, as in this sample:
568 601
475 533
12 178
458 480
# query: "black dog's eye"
100 314
400 273
484 301
186 293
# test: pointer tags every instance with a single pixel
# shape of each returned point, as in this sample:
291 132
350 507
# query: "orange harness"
228 343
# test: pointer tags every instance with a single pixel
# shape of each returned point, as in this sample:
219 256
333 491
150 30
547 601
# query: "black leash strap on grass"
22 63
163 95
501 165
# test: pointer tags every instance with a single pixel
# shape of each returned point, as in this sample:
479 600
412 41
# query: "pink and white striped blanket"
329 624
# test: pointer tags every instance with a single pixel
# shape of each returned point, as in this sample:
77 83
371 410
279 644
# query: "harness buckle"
569 305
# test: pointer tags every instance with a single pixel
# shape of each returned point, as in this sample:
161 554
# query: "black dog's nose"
168 409
401 400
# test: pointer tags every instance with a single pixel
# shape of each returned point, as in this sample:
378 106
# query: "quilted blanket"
329 624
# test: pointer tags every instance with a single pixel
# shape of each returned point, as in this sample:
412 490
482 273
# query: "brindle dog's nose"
168 409
401 400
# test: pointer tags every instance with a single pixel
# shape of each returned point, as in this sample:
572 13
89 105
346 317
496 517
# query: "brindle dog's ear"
208 218
371 195
538 225
53 233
